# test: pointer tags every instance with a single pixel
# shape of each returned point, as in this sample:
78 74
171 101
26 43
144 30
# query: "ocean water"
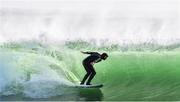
32 71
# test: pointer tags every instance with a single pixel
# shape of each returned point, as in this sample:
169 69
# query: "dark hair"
104 56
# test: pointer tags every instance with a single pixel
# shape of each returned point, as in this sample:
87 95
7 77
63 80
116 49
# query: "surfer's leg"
87 74
93 73
85 77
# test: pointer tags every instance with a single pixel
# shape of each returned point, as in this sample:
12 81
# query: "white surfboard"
90 86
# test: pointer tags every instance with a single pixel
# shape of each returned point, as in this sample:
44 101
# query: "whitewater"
40 44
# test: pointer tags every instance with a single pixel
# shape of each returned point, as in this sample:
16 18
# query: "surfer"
88 63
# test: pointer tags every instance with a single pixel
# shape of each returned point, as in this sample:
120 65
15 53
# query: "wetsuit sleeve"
90 53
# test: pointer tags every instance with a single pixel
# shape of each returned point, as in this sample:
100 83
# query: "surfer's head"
104 56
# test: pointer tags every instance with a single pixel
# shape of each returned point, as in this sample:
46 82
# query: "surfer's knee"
94 73
88 73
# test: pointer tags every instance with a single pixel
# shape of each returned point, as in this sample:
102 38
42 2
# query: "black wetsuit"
87 63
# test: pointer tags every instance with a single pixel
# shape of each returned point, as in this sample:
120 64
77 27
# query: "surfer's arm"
88 52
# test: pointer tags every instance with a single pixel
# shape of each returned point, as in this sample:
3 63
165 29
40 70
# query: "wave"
34 73
38 71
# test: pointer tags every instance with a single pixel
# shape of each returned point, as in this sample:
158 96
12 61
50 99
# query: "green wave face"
49 73
140 76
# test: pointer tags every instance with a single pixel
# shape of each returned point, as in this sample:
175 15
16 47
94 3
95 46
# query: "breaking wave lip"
94 44
151 45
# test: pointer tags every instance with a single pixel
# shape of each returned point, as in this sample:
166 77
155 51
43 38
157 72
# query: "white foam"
31 75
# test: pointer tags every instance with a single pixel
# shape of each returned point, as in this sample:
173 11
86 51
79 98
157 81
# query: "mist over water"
116 21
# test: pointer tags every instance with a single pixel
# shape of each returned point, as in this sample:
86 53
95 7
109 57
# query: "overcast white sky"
125 7
160 17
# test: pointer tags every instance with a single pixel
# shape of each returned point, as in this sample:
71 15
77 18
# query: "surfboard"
90 86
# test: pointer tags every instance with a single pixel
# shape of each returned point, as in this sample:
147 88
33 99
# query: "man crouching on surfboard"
88 65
